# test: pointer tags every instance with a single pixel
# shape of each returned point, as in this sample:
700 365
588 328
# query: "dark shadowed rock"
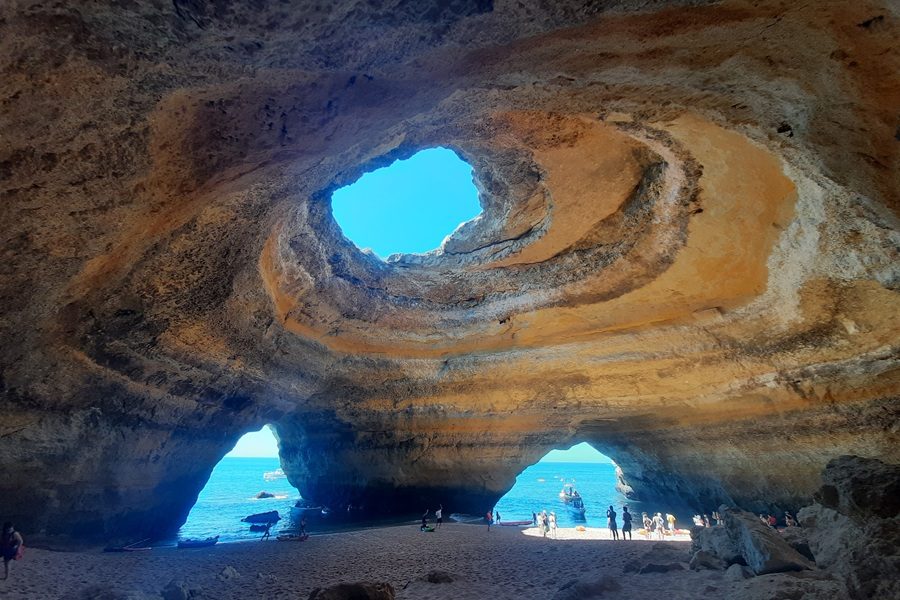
354 591
587 587
761 546
738 572
786 586
661 558
439 577
661 568
861 487
703 560
717 542
176 590
862 556
796 539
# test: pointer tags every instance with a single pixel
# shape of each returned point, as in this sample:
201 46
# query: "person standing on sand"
424 520
658 525
498 517
670 518
303 525
648 525
534 518
626 523
439 514
266 532
611 522
489 517
553 524
11 546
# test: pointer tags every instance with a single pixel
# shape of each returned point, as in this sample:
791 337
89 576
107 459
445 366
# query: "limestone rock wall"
688 253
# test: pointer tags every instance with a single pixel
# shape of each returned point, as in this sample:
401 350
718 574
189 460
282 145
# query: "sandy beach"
506 562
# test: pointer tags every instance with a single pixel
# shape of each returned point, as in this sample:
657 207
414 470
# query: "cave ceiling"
688 251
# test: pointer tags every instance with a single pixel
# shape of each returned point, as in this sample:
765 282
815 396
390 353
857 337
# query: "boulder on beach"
703 560
738 572
787 586
852 539
587 587
716 542
796 539
438 576
355 591
176 590
661 558
762 547
860 488
228 573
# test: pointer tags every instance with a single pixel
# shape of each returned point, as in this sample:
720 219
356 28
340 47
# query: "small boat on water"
569 493
576 505
210 541
271 516
516 523
573 499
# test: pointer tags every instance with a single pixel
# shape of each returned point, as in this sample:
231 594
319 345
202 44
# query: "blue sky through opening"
409 206
261 444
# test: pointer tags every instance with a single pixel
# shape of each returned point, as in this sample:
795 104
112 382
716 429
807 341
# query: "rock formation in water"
687 256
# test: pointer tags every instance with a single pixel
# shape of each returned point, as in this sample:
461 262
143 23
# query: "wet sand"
507 562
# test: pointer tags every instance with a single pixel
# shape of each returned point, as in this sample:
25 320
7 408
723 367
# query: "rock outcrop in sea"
687 255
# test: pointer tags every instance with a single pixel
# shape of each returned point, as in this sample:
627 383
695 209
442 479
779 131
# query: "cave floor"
501 564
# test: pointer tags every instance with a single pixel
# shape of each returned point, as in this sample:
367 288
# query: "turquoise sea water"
229 496
537 488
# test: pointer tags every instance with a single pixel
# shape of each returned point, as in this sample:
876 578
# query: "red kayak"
516 523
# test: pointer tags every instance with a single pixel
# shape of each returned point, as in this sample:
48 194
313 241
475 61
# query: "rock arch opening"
247 480
576 483
410 206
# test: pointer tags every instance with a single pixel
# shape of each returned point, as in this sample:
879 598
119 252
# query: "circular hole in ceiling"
409 207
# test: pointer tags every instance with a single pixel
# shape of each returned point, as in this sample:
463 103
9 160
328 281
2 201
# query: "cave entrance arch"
410 206
538 486
247 480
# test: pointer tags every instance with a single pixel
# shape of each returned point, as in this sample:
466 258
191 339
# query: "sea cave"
687 255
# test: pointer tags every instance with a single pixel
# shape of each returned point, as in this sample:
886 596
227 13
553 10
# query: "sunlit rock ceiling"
688 252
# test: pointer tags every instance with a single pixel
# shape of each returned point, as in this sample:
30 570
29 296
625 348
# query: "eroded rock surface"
688 252
859 538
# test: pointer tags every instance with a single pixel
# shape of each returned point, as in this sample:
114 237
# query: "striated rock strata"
687 256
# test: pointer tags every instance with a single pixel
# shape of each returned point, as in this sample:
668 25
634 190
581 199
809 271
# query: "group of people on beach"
438 516
657 526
